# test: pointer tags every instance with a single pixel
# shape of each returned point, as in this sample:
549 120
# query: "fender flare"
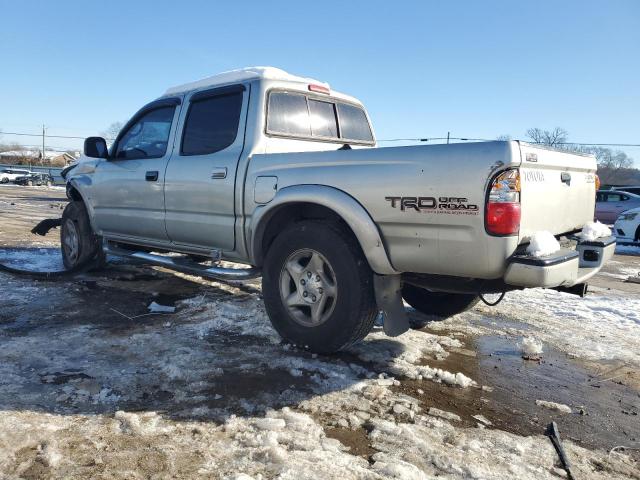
342 204
75 183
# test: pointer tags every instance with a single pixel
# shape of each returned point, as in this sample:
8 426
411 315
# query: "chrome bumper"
563 268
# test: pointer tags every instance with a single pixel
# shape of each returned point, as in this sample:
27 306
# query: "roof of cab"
240 75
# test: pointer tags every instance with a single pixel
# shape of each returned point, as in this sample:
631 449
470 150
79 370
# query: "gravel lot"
93 386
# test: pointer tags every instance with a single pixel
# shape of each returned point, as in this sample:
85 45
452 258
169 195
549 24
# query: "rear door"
127 191
200 177
557 190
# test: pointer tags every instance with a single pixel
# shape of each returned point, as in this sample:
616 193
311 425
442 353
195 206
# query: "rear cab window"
302 116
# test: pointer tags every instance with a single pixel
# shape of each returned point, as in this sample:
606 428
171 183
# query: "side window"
211 124
614 197
353 123
288 114
599 197
323 119
624 198
148 137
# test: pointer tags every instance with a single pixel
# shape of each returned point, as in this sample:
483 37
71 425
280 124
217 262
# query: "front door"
128 188
200 180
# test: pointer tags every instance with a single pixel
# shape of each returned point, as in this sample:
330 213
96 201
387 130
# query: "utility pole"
42 159
447 137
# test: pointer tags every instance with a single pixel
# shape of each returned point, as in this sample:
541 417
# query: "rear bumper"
563 268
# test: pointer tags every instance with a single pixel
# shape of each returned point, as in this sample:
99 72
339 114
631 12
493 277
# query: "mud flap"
388 290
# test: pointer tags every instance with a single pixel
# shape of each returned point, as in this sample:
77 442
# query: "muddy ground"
88 347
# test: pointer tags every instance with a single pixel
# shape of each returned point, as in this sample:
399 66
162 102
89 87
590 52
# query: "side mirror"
96 147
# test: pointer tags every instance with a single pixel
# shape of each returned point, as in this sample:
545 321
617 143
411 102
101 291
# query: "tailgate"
558 190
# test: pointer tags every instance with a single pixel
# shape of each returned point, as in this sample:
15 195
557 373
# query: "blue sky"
422 68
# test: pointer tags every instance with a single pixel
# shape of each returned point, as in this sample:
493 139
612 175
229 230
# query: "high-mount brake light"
502 215
319 89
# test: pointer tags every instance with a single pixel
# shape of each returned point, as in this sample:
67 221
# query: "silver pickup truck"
282 174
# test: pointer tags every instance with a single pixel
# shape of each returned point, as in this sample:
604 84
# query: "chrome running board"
184 266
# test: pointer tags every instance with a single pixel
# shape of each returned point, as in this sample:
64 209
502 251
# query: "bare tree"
552 138
112 131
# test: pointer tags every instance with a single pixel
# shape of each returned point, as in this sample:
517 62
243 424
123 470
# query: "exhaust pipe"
579 289
185 266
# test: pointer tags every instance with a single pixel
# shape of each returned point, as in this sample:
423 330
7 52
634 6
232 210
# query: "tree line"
615 167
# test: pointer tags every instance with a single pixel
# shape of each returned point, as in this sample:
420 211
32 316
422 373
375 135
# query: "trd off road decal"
438 205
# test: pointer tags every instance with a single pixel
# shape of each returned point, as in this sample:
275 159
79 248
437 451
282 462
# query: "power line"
464 139
423 139
39 135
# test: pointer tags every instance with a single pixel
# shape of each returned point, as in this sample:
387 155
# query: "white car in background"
10 174
627 226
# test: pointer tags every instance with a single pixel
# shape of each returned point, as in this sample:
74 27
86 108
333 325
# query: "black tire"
4 180
636 237
436 304
349 316
87 248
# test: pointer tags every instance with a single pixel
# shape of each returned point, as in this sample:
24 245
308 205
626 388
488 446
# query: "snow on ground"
283 444
212 392
597 327
33 259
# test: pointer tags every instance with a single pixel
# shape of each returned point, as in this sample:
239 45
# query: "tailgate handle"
565 177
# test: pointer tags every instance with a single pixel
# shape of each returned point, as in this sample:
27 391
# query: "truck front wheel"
80 246
439 304
318 287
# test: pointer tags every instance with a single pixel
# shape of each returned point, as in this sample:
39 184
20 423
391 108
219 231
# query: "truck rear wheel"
439 304
318 287
80 246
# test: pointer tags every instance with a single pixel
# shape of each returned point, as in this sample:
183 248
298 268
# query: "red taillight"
319 89
503 218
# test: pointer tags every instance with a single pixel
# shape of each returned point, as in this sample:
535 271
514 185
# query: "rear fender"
342 204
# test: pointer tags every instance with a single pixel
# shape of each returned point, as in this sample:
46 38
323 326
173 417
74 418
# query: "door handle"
151 176
219 172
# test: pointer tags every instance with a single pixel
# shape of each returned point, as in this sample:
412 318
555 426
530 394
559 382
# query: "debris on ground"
554 435
557 407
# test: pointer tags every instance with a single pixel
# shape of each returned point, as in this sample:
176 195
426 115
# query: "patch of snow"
531 348
436 412
241 75
594 230
596 327
483 420
557 407
542 243
157 308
